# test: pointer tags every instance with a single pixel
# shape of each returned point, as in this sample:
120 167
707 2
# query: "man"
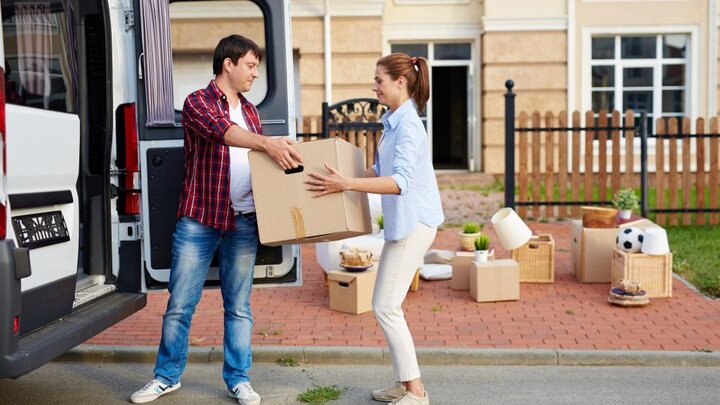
217 212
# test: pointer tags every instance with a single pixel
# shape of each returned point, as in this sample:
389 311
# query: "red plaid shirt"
206 187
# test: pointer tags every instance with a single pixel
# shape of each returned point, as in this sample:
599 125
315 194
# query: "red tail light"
16 324
130 197
3 197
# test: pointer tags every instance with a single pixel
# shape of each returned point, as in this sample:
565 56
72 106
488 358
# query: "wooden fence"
686 169
553 158
562 165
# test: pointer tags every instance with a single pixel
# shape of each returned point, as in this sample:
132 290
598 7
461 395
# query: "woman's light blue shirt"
403 154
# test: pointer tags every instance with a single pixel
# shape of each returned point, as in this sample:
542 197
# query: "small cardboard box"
288 213
461 270
592 250
653 272
496 280
351 292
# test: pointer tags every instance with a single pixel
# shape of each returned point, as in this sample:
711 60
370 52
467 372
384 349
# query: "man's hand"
279 150
326 184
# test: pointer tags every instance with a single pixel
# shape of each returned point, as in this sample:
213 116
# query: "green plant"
320 395
626 199
482 242
472 227
287 361
380 221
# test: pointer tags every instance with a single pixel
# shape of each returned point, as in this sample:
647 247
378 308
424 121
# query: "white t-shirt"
240 186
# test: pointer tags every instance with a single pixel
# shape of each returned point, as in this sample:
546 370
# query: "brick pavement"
562 315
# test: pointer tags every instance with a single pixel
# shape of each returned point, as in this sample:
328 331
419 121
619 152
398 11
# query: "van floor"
90 287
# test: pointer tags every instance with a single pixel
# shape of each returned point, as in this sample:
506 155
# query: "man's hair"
234 47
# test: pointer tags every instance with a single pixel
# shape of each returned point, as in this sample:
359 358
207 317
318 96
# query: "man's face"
243 73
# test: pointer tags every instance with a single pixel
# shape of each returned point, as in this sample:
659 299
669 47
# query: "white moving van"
92 163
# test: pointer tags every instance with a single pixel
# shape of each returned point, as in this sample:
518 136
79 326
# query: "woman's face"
387 90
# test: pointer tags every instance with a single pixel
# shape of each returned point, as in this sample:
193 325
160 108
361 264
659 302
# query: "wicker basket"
653 272
536 259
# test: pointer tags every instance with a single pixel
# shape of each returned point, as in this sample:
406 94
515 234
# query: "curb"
426 356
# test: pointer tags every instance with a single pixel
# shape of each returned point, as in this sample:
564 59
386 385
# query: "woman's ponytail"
421 93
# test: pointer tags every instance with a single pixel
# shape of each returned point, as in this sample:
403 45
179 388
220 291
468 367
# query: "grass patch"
694 256
287 362
497 186
321 395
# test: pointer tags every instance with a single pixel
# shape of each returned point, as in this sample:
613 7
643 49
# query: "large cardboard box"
351 292
288 213
461 270
592 249
496 280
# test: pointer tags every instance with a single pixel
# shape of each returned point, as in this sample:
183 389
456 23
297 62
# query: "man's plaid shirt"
206 186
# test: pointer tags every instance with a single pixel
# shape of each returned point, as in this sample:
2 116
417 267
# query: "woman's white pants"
399 261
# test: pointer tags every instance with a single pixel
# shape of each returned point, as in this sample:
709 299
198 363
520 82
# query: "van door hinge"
129 19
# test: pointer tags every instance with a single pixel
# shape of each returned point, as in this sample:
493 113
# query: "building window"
645 73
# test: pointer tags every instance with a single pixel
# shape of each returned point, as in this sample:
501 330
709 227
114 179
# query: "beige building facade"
658 56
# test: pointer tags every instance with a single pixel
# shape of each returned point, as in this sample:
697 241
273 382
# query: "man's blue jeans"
194 245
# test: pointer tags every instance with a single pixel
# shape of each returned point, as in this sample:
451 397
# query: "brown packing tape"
298 221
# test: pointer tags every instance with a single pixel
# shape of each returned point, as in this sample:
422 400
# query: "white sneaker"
151 391
410 399
245 394
389 394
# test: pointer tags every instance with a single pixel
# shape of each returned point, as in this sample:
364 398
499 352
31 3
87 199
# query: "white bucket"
655 242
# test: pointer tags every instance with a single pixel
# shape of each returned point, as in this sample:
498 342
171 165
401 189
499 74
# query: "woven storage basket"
536 259
654 272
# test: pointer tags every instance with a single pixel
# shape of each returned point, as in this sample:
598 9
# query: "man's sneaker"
245 394
410 399
151 391
389 394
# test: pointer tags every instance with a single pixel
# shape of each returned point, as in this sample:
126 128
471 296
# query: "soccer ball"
630 239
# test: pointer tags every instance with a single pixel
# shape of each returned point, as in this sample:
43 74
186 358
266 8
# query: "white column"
328 54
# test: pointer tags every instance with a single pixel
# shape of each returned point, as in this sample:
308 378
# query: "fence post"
325 129
510 145
643 165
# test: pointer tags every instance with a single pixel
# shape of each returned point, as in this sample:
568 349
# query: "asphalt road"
112 383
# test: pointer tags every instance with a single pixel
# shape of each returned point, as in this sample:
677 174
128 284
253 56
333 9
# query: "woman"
404 175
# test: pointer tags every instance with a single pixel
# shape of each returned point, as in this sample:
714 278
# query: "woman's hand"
326 184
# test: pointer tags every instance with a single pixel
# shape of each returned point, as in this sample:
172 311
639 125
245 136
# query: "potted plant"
482 244
626 201
471 230
380 220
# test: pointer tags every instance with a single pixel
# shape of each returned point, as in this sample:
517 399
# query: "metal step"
90 293
48 342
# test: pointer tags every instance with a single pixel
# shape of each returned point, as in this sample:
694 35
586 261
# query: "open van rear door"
160 132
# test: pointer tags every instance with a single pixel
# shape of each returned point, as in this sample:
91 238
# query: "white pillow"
439 256
436 272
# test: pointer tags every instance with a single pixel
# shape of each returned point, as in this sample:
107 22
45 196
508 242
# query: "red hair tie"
414 60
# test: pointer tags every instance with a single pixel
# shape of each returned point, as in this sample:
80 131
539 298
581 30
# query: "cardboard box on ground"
495 280
351 292
287 212
592 249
